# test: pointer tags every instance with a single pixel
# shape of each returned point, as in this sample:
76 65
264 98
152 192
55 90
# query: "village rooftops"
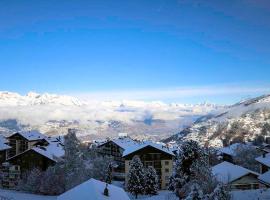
31 135
53 151
123 142
94 189
145 144
3 145
264 159
226 172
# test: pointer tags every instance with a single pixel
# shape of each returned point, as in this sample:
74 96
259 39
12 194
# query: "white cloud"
173 93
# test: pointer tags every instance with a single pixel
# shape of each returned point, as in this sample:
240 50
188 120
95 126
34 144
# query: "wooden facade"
116 152
31 159
247 182
3 156
19 144
160 160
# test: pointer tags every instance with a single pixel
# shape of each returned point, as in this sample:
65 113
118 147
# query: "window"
148 163
243 186
167 178
167 170
166 162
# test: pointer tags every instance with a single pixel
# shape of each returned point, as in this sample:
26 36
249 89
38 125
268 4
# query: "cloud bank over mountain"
51 113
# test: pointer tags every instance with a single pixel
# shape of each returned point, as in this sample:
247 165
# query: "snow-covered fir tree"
109 172
136 177
196 193
245 156
53 181
31 181
73 160
151 181
220 193
98 166
192 170
190 152
171 183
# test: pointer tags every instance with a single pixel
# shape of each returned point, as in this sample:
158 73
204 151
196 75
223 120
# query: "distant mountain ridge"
32 98
54 114
244 121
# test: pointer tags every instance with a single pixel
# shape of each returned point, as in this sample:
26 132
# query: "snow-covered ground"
262 194
14 195
162 195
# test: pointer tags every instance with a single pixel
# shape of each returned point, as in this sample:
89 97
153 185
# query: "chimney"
264 154
106 190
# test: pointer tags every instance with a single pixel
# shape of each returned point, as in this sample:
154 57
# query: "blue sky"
199 50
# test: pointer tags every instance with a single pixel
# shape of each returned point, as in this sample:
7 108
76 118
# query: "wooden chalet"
115 148
23 141
237 177
155 155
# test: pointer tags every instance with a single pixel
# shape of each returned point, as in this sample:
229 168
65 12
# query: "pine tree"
53 181
151 181
220 193
196 193
171 186
190 152
31 181
136 178
109 170
74 166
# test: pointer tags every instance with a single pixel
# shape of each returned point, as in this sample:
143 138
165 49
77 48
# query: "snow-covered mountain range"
245 121
54 114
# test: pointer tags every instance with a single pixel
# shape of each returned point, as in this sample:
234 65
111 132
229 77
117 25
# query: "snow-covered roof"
232 149
265 177
264 160
53 151
144 144
31 135
93 190
226 172
123 142
3 146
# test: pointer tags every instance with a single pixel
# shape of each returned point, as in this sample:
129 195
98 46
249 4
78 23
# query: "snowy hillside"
54 114
244 121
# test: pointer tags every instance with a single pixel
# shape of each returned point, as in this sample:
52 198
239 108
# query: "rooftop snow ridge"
227 172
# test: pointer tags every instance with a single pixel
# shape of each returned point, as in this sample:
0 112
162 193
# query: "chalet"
152 154
237 177
264 162
22 141
115 149
39 156
94 189
3 149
